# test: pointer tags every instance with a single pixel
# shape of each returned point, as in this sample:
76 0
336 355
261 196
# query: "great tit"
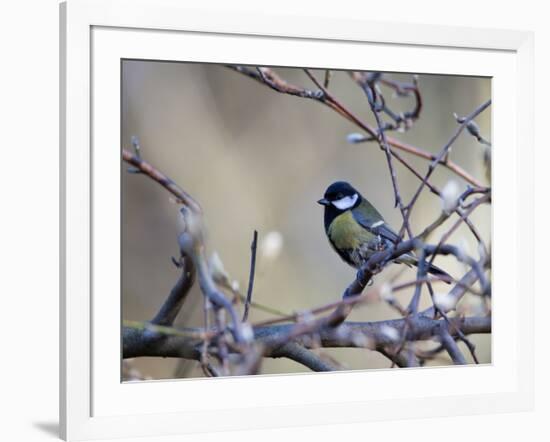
356 230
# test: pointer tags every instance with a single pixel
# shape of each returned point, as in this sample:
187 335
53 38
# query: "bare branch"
326 98
144 167
184 343
441 157
369 87
229 346
192 246
253 248
450 345
171 307
303 356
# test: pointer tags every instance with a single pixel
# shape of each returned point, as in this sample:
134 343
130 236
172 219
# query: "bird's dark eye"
339 196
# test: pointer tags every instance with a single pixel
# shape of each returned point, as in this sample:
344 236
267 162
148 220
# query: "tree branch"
141 340
252 272
442 157
303 356
171 307
230 346
272 80
191 244
451 346
153 173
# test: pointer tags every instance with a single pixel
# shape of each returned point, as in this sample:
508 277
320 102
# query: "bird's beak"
323 202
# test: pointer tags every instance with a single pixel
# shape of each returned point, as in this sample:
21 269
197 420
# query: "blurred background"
257 159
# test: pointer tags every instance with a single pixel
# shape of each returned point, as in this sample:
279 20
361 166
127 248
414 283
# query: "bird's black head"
340 196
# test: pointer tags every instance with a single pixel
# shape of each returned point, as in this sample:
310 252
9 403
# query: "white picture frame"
95 35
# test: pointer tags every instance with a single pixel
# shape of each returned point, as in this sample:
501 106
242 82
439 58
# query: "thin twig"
371 93
253 248
205 364
328 76
153 173
191 245
326 98
439 159
447 235
469 344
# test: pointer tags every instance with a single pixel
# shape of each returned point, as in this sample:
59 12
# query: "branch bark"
153 173
302 355
142 340
172 306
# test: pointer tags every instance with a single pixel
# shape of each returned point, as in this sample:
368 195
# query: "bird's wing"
376 226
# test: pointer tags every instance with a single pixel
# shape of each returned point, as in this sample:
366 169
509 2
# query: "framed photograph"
318 219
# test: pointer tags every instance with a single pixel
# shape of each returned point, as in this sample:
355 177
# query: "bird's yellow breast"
346 233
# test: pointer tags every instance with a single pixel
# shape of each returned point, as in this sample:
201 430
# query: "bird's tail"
434 270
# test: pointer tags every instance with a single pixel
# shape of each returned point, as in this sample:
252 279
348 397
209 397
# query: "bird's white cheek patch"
346 202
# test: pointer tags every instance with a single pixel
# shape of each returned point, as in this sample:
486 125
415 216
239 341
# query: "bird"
356 230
